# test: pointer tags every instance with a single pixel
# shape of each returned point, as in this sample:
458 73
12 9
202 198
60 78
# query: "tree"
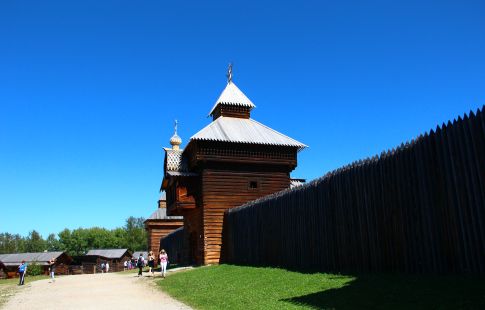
53 243
10 243
136 234
79 241
35 243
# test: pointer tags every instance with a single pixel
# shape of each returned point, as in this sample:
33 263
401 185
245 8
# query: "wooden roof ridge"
232 95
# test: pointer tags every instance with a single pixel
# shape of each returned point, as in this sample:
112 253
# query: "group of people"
139 262
104 267
22 270
151 260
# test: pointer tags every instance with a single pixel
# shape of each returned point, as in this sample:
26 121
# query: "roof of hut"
41 258
161 214
108 253
137 254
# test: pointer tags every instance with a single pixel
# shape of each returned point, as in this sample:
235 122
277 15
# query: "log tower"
231 161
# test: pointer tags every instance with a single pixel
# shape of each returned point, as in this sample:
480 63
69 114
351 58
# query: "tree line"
75 242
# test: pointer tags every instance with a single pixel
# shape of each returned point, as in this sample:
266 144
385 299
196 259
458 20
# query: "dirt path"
100 291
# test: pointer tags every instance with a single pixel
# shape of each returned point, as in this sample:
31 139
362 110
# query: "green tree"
79 241
35 243
73 242
136 235
10 243
53 243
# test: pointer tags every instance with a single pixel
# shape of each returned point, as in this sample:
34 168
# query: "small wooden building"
233 160
143 253
114 257
3 271
159 225
12 261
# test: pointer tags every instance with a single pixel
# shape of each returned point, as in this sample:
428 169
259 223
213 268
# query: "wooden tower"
233 160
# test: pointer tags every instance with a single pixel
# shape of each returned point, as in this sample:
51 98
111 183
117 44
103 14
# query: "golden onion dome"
175 141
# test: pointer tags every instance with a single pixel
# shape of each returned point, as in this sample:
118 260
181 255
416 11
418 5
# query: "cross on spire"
229 73
176 125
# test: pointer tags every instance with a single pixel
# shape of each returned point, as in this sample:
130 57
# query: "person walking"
52 269
163 262
107 267
151 263
140 263
22 271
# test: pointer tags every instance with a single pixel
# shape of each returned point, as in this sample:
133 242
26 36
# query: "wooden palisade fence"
419 209
175 246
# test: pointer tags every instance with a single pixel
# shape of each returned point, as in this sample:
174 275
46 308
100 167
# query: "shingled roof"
109 253
232 95
239 130
161 214
176 164
16 258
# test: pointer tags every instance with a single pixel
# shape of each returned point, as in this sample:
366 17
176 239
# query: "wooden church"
233 160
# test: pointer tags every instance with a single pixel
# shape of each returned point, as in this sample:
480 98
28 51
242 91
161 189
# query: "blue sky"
89 89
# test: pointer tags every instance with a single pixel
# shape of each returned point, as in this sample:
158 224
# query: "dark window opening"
253 185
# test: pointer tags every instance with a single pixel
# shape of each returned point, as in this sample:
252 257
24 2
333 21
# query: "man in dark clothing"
140 263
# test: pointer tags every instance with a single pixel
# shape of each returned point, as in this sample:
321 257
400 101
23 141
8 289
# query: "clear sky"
89 89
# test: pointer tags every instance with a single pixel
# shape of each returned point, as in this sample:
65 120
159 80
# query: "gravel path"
99 291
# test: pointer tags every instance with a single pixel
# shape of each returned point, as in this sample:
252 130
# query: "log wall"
158 229
225 189
418 209
194 232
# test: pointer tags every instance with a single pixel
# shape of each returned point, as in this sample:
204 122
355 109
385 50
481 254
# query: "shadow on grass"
400 292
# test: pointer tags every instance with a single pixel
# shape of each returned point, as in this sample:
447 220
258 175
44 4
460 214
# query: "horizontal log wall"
417 209
158 229
224 189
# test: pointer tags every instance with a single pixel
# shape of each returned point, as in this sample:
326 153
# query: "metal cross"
176 125
229 73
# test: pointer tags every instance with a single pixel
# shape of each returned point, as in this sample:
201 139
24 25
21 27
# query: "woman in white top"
163 262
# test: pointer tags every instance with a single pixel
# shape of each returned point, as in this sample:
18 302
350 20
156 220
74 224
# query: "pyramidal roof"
232 95
239 130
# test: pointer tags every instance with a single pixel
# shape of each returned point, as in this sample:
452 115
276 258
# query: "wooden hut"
143 253
3 271
159 225
12 261
233 160
114 257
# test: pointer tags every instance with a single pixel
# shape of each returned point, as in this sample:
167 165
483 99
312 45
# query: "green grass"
8 287
27 280
235 287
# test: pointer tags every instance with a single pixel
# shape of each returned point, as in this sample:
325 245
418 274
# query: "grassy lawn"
235 287
8 287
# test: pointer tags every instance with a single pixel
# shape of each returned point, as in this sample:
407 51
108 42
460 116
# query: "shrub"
34 269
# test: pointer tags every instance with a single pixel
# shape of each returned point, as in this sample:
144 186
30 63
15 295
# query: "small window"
253 185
